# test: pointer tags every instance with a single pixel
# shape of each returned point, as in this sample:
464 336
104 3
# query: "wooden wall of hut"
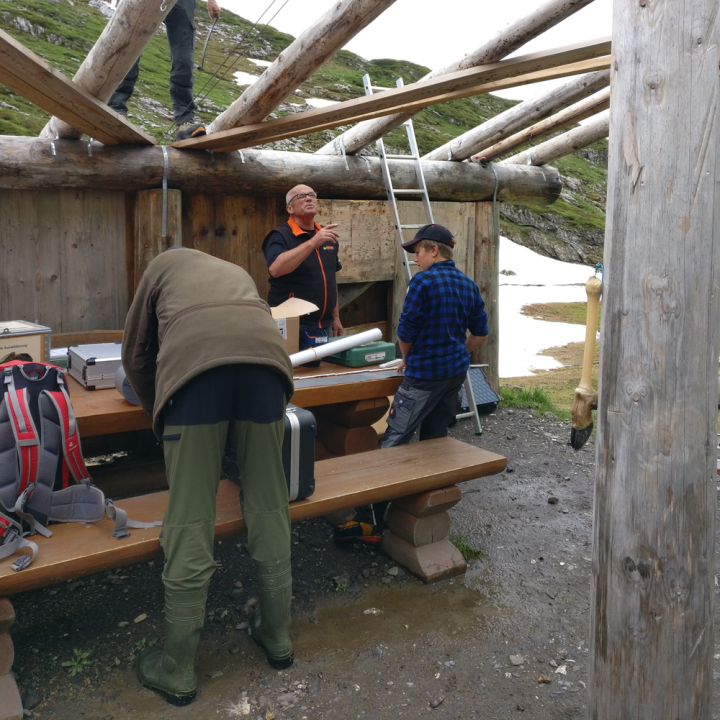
71 258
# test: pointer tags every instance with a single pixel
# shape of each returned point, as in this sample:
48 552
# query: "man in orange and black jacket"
302 260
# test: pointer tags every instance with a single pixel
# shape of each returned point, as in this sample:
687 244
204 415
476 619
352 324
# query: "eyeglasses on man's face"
302 196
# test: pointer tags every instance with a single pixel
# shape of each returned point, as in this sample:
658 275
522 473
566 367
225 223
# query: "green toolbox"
372 353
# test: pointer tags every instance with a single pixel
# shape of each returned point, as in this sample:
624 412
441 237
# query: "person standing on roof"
180 27
302 260
205 358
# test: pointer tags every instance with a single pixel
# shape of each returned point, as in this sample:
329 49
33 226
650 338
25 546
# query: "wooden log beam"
326 119
39 82
520 116
654 555
120 44
294 65
505 42
28 163
564 144
314 121
388 101
582 110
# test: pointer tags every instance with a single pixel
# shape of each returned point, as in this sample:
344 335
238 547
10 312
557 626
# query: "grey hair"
291 194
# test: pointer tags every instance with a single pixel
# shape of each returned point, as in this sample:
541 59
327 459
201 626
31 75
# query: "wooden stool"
419 526
10 703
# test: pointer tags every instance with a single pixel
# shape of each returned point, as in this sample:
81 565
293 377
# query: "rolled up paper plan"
122 385
336 346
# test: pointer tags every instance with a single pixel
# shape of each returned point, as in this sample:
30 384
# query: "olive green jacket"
193 312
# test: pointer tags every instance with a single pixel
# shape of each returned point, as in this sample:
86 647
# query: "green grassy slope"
63 31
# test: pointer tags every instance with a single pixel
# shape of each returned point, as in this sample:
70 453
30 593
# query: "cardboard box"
287 317
20 336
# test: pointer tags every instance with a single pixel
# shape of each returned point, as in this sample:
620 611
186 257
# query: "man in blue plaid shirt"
441 305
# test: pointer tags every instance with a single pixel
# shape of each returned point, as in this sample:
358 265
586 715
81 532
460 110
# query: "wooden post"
520 116
300 60
419 526
149 240
564 144
10 704
501 45
487 277
651 624
120 44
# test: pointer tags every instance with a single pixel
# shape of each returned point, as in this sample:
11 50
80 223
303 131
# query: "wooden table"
104 412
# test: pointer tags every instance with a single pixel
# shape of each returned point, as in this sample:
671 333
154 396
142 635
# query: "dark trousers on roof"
180 27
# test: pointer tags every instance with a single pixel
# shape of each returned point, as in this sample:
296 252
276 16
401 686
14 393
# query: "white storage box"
24 338
94 366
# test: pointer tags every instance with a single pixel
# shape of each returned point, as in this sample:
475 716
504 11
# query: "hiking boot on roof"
193 127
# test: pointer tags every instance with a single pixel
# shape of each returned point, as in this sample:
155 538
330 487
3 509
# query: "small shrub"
460 541
79 662
535 399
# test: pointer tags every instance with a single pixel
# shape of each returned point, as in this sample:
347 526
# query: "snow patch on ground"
537 279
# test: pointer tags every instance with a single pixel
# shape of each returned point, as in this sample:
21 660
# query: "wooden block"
437 561
7 653
320 450
418 531
340 440
7 615
10 703
429 503
340 517
354 414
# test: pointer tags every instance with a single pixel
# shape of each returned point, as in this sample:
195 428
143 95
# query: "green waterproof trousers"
193 458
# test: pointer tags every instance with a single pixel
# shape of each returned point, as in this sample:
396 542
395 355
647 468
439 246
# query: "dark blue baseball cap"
434 233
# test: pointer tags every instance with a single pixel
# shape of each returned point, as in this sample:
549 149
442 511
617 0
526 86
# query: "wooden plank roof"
39 82
474 81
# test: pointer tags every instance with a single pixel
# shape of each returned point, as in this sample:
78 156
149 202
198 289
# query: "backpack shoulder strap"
72 451
27 438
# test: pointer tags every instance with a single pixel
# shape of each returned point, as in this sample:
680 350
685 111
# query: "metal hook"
163 7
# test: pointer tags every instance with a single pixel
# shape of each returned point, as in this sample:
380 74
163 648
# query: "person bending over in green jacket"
205 359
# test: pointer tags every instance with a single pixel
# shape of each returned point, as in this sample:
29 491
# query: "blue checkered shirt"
440 306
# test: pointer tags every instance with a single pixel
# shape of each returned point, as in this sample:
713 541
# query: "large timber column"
487 276
651 633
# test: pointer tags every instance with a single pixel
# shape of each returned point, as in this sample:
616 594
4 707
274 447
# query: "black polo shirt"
313 280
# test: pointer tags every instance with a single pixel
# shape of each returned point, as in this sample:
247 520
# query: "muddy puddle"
392 613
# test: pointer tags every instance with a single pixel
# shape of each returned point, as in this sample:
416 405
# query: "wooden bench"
419 478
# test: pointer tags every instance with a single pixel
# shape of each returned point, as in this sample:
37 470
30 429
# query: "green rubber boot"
171 671
270 620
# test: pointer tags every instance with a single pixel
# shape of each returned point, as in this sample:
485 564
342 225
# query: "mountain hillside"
63 31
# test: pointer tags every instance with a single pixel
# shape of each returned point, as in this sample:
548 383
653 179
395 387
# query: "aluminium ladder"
421 191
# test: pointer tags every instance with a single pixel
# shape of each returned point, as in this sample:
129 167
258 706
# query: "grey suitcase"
298 454
94 365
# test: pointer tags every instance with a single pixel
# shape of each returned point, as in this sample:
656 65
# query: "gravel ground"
510 637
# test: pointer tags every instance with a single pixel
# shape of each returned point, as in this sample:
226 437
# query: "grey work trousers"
180 27
431 404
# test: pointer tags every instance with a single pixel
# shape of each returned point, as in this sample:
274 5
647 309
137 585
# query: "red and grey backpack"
43 477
